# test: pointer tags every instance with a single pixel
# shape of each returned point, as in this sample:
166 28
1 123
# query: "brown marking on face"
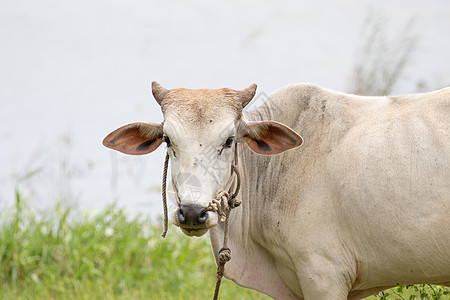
202 106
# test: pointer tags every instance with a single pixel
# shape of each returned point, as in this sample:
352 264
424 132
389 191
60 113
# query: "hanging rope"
164 185
224 202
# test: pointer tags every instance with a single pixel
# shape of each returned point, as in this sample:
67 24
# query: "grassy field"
61 254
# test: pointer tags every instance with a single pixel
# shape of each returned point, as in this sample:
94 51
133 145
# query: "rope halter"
225 200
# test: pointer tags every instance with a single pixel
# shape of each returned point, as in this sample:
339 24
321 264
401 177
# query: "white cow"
361 206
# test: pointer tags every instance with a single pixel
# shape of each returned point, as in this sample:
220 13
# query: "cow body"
362 205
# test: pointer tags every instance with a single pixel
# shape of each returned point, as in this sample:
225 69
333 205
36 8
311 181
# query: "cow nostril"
181 217
203 217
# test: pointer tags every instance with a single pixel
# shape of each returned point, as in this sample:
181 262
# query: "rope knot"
224 255
220 204
233 203
223 196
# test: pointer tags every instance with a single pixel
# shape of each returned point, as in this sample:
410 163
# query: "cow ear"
269 137
135 138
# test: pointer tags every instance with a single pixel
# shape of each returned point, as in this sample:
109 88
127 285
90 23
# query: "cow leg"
323 287
322 278
317 292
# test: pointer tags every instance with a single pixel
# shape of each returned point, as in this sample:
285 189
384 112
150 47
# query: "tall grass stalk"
380 60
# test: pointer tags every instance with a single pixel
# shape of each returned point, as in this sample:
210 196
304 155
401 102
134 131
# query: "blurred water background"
72 71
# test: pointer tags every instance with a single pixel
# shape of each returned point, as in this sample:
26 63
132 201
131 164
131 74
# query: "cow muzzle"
193 220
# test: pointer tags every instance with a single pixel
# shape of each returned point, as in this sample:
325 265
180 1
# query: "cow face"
200 129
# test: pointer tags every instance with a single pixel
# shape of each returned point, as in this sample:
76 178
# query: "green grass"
62 254
418 291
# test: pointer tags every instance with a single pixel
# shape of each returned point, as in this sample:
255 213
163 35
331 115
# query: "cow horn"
246 95
159 92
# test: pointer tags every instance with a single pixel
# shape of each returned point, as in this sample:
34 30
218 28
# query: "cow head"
200 129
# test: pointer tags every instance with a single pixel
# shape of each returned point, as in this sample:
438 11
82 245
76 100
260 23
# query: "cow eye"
166 140
228 142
